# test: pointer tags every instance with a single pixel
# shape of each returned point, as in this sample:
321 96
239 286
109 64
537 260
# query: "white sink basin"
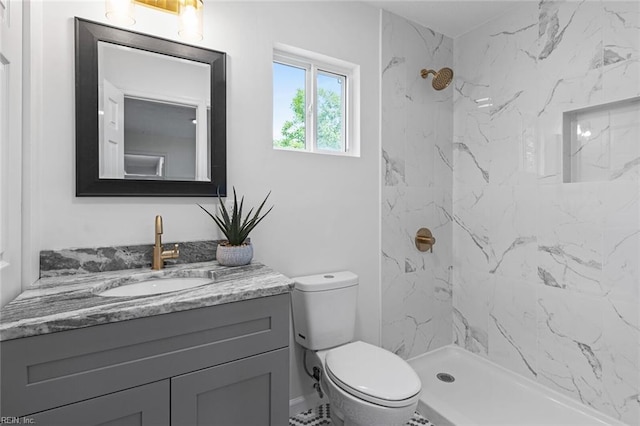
155 286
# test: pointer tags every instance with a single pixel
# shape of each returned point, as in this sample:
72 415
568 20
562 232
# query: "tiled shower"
417 175
527 170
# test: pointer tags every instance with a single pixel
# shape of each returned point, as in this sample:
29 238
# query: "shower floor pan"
476 391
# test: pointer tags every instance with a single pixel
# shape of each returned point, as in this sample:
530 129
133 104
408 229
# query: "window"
315 105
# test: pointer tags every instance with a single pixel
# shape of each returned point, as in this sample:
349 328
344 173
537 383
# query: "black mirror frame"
88 183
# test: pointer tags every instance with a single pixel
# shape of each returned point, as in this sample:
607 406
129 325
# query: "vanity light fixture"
190 20
189 13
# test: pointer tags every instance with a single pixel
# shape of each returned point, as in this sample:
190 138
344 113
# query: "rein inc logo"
6 420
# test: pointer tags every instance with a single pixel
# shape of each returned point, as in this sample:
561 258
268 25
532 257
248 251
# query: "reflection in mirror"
144 166
154 108
170 141
150 115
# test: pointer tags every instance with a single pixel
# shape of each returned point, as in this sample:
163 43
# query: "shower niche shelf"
602 142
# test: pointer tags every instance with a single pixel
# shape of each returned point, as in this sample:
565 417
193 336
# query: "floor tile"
321 415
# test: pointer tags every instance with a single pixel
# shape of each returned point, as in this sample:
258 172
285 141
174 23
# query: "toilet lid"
373 374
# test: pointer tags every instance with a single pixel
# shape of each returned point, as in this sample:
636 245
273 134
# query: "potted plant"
236 251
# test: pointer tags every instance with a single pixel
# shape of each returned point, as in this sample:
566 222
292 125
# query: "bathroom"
531 270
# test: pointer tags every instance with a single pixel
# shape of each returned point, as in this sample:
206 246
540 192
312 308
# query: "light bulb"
190 20
120 12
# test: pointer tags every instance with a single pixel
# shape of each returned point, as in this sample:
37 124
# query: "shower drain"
445 377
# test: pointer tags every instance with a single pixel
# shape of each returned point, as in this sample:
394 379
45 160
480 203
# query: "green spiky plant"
233 226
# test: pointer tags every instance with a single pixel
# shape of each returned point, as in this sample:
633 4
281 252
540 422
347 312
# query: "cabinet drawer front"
146 405
51 370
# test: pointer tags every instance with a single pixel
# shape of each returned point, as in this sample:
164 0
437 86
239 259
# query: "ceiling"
449 17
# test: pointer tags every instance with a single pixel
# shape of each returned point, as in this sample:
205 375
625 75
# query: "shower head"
441 79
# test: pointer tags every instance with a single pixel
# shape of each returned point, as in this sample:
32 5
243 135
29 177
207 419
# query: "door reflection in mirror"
153 115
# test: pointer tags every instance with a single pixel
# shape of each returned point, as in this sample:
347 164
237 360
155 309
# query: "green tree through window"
293 131
329 125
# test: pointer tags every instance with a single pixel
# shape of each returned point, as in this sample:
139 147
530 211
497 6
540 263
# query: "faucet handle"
171 254
158 224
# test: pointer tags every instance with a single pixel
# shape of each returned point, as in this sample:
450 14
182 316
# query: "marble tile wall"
547 275
416 189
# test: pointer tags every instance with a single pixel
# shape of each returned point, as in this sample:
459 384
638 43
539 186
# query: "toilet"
366 385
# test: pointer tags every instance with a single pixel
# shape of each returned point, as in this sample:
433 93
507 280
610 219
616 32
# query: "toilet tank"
324 309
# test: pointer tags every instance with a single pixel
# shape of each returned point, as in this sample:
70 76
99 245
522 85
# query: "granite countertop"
68 302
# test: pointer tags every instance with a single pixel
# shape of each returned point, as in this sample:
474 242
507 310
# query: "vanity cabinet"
221 365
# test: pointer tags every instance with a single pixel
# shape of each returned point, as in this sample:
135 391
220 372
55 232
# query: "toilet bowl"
365 384
368 386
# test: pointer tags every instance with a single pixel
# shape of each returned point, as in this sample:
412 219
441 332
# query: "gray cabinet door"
252 391
146 405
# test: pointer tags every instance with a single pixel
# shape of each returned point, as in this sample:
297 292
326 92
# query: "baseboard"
305 402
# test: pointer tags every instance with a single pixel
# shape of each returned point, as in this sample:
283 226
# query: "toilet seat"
373 374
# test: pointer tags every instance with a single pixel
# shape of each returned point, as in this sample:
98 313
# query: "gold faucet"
158 254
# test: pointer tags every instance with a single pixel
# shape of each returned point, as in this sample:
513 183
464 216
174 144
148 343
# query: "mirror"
150 115
154 108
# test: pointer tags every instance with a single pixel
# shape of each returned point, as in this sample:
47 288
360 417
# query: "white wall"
326 214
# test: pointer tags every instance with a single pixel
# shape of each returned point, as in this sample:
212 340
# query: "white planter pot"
234 255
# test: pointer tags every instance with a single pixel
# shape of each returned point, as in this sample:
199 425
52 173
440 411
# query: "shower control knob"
425 240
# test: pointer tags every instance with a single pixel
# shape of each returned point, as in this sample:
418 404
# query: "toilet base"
336 420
